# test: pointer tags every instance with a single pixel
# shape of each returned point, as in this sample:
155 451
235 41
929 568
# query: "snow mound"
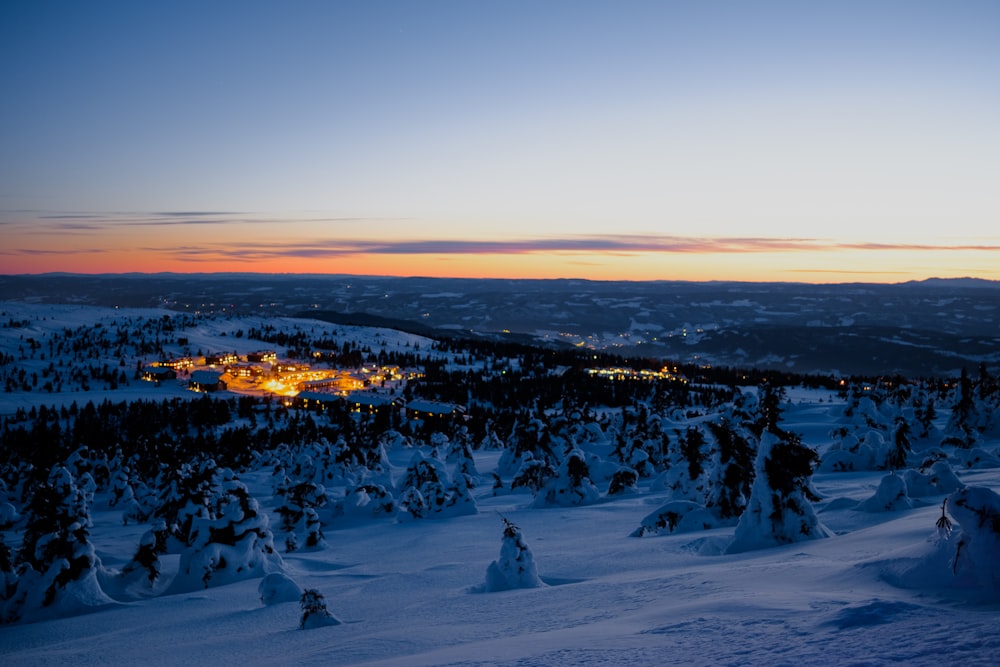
890 497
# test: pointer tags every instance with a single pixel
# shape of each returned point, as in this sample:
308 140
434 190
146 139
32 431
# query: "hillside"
779 523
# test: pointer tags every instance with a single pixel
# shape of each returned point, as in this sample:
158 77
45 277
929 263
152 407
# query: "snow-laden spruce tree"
299 518
428 492
779 510
232 544
962 429
571 486
57 564
145 568
314 611
185 493
731 471
688 456
515 568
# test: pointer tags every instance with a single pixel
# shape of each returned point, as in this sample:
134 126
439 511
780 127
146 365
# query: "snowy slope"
879 591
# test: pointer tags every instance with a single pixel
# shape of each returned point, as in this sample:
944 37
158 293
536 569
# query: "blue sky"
641 140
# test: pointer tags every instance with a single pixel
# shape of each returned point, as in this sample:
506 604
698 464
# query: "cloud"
575 245
45 222
580 247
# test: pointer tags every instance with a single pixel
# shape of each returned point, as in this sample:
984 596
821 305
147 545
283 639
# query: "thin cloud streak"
605 245
578 245
41 222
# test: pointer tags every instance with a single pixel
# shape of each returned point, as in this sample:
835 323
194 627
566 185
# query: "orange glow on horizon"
885 266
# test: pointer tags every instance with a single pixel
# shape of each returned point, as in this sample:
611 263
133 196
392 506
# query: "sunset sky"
675 140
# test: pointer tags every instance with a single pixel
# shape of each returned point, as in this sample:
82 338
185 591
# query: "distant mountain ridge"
918 328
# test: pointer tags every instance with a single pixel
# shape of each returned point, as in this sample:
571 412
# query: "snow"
402 592
884 587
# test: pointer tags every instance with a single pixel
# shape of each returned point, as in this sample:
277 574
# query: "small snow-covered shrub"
624 480
362 503
891 496
938 480
677 516
975 458
145 563
314 611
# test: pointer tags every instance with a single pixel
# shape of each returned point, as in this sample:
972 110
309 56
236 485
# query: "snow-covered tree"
145 564
233 543
731 471
899 450
571 486
891 496
314 611
533 474
515 568
623 480
428 491
58 563
977 546
365 502
299 519
779 510
687 459
962 429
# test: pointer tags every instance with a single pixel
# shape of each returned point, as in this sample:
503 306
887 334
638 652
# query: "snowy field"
883 589
405 595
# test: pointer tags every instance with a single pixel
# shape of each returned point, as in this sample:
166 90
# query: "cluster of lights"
620 374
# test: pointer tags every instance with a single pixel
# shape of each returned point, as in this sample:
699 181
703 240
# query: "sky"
815 142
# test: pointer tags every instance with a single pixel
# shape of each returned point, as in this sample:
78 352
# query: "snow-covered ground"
881 590
406 594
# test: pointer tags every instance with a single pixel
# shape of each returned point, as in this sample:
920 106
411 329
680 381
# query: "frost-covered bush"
515 568
975 458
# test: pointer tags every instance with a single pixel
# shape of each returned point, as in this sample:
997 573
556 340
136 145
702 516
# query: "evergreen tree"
58 560
779 509
314 611
900 449
731 477
961 430
515 568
